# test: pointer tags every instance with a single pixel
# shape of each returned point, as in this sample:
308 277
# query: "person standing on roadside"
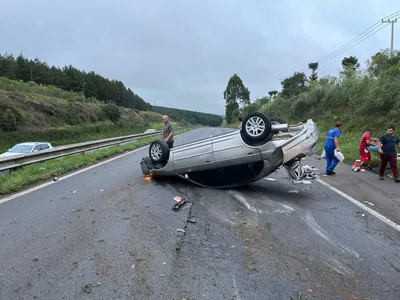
387 150
332 144
241 121
168 131
366 141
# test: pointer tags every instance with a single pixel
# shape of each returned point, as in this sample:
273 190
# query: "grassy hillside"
358 98
188 116
87 85
31 112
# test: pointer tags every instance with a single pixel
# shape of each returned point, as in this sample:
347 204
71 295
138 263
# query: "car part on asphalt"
259 148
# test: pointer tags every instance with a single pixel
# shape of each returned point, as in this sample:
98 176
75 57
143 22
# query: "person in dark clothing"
387 150
240 120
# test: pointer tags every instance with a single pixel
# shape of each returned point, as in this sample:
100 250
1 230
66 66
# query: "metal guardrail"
21 160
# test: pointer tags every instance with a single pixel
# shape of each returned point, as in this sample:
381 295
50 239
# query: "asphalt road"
108 233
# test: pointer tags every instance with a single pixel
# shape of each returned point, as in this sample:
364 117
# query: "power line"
351 46
358 37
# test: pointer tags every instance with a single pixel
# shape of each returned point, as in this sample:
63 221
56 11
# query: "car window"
44 147
38 147
21 149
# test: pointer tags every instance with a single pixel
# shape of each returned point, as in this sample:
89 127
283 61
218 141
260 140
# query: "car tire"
158 151
256 126
275 120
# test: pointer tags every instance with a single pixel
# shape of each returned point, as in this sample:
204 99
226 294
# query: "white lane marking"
384 219
66 176
310 221
6 199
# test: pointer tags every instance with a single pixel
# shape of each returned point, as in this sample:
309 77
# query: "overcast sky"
181 53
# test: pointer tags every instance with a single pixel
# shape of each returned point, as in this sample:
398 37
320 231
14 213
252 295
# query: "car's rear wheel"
158 151
276 121
256 126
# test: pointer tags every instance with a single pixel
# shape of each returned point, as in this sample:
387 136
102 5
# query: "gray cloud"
182 53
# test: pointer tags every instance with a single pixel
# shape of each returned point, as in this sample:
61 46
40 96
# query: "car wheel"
158 151
256 126
276 120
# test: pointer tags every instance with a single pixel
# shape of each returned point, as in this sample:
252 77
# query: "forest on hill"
90 85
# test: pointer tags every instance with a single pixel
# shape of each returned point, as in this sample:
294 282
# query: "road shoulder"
365 187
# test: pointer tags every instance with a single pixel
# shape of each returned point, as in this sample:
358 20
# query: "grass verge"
29 175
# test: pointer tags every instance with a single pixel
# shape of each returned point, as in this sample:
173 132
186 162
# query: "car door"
37 148
44 146
229 150
196 156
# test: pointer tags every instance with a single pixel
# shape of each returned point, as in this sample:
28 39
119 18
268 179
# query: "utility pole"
392 39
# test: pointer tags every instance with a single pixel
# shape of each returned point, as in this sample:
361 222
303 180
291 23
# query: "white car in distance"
24 148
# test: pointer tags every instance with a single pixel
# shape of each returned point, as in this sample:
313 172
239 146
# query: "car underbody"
262 146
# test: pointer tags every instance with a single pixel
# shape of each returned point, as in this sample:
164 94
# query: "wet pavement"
108 233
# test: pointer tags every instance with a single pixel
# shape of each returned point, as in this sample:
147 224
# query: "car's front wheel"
256 126
158 151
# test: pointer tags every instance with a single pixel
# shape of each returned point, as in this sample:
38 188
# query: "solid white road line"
66 176
362 206
6 199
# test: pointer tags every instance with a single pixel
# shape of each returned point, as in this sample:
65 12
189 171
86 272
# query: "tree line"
189 117
295 100
69 78
90 85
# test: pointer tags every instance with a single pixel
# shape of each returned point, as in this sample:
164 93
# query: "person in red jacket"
366 141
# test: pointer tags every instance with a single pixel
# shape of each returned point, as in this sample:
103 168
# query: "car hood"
7 154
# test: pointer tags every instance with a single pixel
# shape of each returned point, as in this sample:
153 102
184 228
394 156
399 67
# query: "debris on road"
77 210
180 230
35 259
133 266
88 288
369 203
73 192
47 235
55 178
293 191
191 220
180 201
74 266
309 290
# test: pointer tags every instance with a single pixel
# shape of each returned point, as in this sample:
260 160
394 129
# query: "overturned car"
236 158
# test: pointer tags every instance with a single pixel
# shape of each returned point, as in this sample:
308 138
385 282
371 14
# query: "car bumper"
144 167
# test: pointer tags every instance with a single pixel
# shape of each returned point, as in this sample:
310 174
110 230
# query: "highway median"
32 174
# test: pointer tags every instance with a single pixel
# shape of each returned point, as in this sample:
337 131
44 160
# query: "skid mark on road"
236 291
242 200
310 221
338 267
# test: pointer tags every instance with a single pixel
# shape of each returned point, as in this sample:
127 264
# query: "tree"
313 67
350 62
294 85
271 94
234 94
382 63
